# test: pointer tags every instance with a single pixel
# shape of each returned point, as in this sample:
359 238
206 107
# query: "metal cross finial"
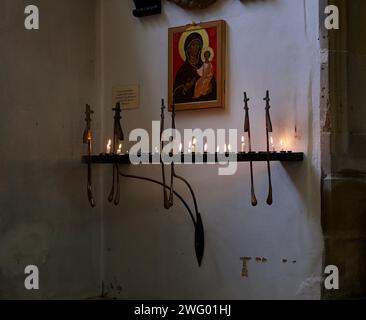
246 100
117 111
118 132
162 108
246 121
162 122
268 117
117 107
87 133
88 113
267 99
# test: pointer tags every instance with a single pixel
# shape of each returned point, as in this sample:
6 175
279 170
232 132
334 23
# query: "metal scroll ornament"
193 4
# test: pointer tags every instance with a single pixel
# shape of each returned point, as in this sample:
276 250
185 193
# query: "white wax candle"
282 145
109 146
242 144
272 144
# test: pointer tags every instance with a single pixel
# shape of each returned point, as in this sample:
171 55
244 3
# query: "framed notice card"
128 96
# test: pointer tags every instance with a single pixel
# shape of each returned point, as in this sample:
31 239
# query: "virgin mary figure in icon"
195 81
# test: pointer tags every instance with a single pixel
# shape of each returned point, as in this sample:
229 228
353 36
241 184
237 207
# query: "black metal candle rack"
169 192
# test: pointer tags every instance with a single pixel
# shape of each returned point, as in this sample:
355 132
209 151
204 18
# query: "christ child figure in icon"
203 85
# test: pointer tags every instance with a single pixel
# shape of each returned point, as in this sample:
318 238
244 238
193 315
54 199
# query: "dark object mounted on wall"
193 4
146 8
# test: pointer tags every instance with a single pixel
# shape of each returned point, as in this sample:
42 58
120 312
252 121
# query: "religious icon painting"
197 66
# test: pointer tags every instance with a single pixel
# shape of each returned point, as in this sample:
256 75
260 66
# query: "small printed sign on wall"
128 96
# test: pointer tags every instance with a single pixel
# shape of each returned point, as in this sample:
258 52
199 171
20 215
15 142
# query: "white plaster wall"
148 252
46 78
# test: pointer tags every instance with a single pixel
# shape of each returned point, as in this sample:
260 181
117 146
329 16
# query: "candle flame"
242 139
206 147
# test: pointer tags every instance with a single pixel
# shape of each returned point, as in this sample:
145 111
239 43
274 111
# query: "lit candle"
272 145
218 149
205 148
180 148
225 148
194 142
119 151
109 146
282 144
242 144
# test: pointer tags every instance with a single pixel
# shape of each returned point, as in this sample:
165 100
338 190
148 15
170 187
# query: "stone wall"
343 152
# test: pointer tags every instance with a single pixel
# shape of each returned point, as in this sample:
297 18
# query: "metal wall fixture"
193 4
247 130
169 193
146 8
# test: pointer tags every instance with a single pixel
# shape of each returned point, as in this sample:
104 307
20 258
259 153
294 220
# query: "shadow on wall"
47 220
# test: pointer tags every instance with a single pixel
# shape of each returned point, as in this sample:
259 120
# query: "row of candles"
109 147
192 147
